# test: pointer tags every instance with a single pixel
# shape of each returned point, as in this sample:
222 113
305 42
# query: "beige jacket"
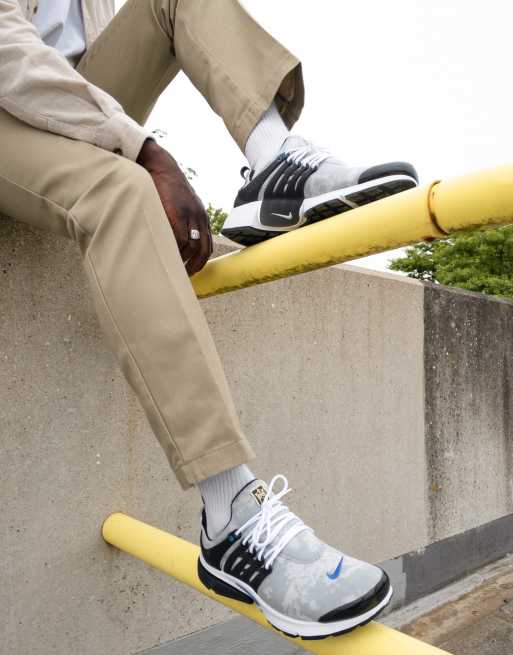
40 87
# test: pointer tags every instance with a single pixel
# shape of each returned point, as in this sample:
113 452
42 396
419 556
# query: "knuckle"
182 243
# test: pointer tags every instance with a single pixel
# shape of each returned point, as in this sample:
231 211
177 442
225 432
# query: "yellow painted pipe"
472 201
178 558
480 199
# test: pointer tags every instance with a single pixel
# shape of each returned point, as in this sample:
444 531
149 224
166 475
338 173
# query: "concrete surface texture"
328 374
469 409
479 622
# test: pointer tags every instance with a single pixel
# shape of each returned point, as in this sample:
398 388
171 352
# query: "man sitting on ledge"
76 85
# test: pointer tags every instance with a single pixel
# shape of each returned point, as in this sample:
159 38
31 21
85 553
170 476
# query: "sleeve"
38 86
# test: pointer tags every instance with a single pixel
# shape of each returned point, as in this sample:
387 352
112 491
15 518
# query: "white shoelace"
309 155
266 525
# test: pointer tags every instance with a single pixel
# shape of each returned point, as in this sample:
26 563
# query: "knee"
131 176
119 190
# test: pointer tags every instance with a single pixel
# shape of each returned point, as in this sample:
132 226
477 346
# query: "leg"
144 298
145 301
139 54
237 66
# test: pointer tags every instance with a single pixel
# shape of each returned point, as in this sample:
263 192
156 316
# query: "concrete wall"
469 411
354 384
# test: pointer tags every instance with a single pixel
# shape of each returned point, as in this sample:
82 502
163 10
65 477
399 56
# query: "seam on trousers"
128 350
191 319
185 308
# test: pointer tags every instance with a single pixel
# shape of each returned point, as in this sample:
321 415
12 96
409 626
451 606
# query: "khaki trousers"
110 207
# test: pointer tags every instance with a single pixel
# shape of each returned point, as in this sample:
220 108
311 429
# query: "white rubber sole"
295 627
246 220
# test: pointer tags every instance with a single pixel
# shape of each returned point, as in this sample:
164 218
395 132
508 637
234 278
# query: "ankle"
266 139
218 492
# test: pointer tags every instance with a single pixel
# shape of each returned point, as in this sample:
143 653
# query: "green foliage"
477 260
217 218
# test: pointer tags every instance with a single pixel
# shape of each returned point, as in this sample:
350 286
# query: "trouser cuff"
214 462
285 86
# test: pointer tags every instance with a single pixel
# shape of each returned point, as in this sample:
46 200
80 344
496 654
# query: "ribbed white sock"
218 491
266 138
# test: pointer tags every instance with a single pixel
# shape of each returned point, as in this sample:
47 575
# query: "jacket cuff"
122 135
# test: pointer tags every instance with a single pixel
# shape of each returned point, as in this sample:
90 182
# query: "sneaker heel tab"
246 173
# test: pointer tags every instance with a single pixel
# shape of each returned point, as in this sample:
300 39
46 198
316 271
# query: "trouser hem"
214 462
286 86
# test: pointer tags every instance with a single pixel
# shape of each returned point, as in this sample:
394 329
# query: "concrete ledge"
331 376
236 636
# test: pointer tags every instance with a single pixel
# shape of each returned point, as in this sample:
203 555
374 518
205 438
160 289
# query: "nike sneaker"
305 184
266 555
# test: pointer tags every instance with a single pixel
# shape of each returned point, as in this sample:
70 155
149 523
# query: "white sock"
218 491
266 138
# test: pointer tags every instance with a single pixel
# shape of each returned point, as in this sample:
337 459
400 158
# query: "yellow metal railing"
178 558
472 201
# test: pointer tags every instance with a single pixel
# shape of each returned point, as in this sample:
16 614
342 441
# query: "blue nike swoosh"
336 572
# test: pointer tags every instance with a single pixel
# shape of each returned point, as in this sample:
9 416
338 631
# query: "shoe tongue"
305 546
291 142
248 502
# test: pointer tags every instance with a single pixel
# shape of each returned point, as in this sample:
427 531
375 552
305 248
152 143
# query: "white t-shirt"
61 25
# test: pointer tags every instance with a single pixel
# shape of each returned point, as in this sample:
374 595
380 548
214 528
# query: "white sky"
428 81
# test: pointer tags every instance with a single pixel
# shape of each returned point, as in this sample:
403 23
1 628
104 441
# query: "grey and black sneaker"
305 184
268 556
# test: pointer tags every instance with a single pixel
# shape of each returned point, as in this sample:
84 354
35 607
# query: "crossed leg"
146 304
110 207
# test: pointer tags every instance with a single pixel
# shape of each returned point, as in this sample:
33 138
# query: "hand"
183 208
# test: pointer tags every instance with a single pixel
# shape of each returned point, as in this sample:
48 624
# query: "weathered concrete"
477 623
413 612
328 374
74 447
327 378
469 411
438 564
239 635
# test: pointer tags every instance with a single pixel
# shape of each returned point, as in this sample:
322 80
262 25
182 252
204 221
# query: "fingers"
185 212
201 248
182 223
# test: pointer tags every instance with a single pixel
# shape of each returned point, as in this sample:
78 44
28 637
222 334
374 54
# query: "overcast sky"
427 81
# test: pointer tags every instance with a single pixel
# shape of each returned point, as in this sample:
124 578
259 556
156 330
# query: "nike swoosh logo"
288 217
336 572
